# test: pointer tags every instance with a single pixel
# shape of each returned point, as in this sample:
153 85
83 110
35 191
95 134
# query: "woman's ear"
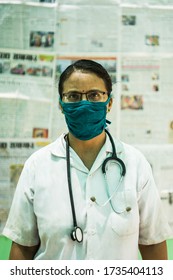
109 106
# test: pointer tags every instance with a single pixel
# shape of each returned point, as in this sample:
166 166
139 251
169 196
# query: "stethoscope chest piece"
77 234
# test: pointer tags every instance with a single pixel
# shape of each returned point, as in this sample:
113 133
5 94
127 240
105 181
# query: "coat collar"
58 147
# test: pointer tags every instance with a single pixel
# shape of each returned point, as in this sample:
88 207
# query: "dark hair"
86 66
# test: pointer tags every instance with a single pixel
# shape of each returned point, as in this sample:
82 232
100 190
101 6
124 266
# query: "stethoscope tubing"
113 157
77 233
69 183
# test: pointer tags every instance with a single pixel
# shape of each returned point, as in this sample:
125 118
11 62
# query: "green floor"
5 245
170 249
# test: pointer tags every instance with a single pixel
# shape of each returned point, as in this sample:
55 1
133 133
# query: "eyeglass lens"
93 96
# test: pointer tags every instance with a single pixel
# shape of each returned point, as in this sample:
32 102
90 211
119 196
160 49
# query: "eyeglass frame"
84 93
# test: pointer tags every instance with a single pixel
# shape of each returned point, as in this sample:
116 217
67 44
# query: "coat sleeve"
154 227
21 226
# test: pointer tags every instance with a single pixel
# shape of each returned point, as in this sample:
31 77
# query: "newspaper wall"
132 39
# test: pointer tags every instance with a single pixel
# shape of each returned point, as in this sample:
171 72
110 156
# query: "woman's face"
84 82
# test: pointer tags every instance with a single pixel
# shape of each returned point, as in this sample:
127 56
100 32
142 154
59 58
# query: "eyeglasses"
92 96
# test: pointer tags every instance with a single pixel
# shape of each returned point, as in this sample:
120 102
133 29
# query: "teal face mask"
85 119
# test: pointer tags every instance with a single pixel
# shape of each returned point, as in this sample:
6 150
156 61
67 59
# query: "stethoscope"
77 232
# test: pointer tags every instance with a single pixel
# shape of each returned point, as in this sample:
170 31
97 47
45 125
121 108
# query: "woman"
82 213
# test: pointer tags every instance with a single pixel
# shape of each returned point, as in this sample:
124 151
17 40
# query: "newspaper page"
39 27
26 85
35 24
147 29
160 158
167 100
140 79
83 20
11 25
145 98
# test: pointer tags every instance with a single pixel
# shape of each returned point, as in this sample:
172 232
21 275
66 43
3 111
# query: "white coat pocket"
124 222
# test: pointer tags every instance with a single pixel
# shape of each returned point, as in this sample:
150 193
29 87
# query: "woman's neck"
87 150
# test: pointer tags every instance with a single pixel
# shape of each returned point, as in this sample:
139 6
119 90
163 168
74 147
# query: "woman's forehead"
80 80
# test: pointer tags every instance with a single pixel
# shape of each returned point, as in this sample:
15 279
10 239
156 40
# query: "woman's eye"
73 96
93 95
